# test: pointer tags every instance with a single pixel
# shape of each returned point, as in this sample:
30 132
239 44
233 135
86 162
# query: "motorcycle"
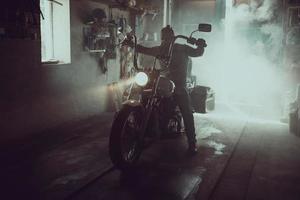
132 129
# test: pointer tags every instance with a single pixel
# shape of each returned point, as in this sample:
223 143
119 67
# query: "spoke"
129 136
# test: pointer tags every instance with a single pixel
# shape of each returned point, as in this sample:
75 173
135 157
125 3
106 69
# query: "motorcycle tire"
115 141
293 122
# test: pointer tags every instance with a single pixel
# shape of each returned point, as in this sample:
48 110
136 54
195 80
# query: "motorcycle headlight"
141 78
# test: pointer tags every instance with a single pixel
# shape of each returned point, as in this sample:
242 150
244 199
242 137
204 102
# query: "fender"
132 103
136 104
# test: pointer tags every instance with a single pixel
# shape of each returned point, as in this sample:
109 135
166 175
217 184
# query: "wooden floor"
239 158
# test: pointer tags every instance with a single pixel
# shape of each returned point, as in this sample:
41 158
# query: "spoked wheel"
124 145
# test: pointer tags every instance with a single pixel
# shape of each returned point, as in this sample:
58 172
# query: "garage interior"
61 87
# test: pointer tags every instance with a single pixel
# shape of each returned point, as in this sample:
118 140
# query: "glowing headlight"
141 79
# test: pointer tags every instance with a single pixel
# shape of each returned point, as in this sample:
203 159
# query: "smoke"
275 33
263 11
243 63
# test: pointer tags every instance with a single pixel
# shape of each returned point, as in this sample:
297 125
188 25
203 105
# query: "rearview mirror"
204 27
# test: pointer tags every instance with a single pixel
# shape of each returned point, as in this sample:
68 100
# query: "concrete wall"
35 97
193 12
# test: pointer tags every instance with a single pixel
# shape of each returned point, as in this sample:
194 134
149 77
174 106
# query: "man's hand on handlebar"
201 43
127 42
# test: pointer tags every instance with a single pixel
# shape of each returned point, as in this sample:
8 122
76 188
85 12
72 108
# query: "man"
177 72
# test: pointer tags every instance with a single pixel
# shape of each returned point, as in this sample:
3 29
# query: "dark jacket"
179 61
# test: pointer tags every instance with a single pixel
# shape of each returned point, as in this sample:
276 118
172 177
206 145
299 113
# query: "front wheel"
124 145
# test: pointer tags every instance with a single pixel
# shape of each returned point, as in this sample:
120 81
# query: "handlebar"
189 40
129 37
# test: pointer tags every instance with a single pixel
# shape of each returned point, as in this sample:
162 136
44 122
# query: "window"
55 31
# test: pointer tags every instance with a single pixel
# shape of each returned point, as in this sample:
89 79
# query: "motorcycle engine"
165 87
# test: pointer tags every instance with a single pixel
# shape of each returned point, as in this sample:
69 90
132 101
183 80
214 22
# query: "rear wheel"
293 122
124 145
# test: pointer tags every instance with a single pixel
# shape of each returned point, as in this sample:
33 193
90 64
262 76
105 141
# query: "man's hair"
167 33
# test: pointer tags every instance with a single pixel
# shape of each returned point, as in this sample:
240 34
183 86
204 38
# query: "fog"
243 59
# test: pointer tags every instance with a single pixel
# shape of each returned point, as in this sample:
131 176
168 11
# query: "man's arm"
151 51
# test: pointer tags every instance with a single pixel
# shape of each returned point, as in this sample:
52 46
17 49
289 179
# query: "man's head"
167 34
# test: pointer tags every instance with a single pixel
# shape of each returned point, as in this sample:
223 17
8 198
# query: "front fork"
150 108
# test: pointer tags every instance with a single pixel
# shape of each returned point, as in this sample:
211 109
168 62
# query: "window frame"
55 46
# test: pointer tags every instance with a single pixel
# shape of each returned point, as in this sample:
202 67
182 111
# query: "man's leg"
167 110
183 101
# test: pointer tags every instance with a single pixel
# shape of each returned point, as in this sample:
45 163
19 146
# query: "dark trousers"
182 99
